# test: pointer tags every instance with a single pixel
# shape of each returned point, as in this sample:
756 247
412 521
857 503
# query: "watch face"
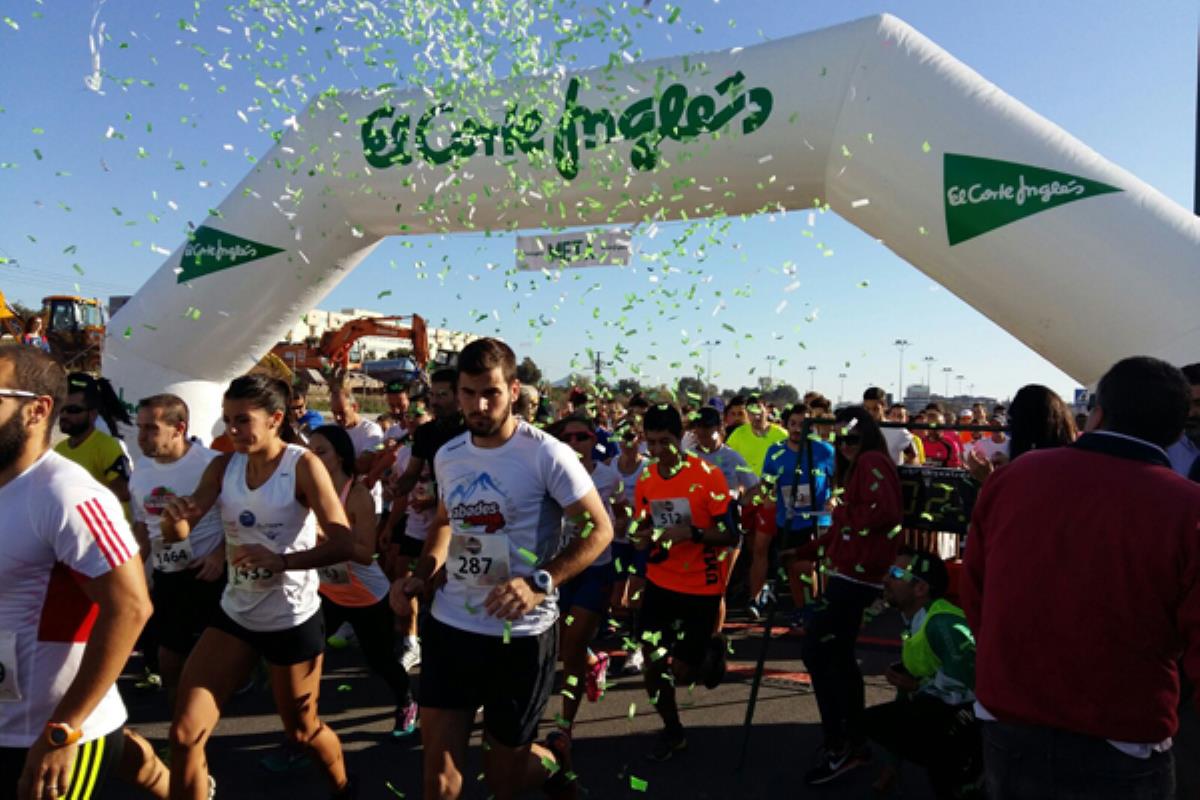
58 736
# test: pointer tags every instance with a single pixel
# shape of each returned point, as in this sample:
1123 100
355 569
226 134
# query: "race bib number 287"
478 560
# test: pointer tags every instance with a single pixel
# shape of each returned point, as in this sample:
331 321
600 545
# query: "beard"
72 429
13 437
486 426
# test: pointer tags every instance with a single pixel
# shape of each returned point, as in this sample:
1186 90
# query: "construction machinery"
331 355
74 326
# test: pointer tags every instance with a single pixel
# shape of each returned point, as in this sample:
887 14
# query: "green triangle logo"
209 250
982 194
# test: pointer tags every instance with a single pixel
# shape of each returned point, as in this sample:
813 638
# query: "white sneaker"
634 662
410 656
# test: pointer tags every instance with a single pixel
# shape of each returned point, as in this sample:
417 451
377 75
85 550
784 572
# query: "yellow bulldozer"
73 326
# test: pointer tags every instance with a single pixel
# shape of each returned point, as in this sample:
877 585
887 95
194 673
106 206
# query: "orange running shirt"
696 495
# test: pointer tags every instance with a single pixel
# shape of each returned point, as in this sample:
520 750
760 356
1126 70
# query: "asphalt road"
610 744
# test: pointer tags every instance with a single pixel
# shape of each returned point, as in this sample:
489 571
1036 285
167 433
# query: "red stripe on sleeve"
98 534
121 546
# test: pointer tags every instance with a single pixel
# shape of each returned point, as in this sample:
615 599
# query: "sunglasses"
75 409
579 436
16 393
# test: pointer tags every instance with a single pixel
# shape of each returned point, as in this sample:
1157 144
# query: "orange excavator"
331 354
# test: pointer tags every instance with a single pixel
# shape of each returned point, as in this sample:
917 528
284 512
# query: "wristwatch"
541 581
60 734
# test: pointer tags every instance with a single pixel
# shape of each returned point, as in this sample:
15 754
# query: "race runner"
491 640
583 600
682 505
73 603
356 591
189 576
269 492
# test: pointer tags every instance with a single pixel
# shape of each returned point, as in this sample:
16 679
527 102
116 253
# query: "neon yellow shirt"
100 454
753 447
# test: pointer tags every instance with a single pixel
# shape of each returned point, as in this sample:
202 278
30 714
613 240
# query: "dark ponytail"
98 394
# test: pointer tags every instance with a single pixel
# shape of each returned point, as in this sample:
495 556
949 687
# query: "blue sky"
94 187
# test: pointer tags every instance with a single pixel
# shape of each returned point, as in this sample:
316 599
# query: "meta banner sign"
564 250
982 194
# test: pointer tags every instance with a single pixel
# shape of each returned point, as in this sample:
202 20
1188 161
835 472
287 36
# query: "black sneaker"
667 745
712 668
834 765
561 783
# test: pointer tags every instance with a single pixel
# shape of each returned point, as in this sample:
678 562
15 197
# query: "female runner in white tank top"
269 492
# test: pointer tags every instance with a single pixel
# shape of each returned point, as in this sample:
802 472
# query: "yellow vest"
915 653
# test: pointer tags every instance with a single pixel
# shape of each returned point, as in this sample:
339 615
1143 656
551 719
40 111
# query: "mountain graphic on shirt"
482 483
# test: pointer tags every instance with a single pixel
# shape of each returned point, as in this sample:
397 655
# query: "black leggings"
375 628
830 637
942 738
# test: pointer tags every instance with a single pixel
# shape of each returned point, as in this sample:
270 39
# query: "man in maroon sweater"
1082 584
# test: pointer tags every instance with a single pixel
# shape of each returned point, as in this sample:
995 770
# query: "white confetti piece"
860 203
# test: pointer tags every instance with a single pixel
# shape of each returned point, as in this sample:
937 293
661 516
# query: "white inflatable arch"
1071 254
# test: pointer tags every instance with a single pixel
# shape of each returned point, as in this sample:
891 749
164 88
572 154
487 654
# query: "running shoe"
406 719
212 787
342 637
667 745
285 758
410 656
758 606
596 678
834 765
634 662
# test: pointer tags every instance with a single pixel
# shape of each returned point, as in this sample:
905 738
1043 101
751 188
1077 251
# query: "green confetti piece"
393 789
632 710
572 680
507 632
925 148
637 784
345 687
528 555
570 619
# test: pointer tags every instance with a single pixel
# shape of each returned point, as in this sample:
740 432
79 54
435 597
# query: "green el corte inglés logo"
982 194
646 123
209 250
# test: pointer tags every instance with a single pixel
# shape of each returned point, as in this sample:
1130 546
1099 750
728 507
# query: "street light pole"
901 344
770 365
841 386
929 373
708 370
960 379
812 378
947 371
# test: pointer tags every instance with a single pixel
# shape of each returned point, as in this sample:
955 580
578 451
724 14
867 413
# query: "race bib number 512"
669 513
478 560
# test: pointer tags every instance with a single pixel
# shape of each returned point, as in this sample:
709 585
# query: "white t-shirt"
61 528
733 466
989 448
627 487
419 522
153 484
271 516
397 432
516 491
607 481
898 440
367 435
